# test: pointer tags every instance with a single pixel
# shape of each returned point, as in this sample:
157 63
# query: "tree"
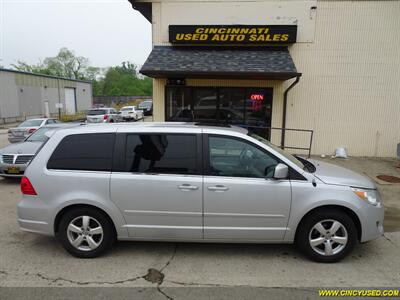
123 80
65 64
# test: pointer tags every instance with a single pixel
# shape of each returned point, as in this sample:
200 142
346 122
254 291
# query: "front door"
241 200
158 185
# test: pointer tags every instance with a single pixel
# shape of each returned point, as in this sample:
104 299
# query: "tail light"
27 187
31 130
105 117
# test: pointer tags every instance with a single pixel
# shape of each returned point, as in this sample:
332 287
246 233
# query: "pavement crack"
157 276
171 258
163 293
57 279
196 284
389 240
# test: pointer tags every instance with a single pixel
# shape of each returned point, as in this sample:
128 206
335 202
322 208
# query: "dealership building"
28 95
331 67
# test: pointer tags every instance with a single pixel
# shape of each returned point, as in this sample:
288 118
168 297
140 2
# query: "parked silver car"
92 185
103 115
15 158
18 134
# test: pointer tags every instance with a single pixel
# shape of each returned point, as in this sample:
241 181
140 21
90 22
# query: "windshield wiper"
308 166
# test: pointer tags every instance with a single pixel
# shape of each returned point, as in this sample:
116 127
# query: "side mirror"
281 171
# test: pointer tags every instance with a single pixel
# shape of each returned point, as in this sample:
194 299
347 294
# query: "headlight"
371 196
1 158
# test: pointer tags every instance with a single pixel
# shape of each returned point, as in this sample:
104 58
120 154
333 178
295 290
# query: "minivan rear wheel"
327 235
86 232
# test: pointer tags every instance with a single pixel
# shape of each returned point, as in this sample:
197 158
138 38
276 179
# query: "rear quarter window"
87 152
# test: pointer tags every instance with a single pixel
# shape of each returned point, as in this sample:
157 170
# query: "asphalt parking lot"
31 260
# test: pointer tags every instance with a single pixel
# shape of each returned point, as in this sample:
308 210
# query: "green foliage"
65 64
123 80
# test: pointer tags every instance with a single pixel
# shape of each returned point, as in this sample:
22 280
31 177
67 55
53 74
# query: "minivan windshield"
95 112
279 150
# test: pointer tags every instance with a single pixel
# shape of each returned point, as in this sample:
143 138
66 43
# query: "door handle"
218 188
186 186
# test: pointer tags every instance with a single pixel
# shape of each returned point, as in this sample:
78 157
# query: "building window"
238 106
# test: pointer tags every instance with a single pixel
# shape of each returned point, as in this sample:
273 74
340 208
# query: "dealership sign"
232 34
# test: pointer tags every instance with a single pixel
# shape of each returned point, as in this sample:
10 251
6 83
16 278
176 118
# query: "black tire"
306 231
104 244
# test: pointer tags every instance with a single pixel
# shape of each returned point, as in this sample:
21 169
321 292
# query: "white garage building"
27 95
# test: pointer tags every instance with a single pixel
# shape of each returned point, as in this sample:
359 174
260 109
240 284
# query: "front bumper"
14 139
372 222
4 170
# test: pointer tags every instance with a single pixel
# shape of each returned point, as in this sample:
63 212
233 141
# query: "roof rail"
216 124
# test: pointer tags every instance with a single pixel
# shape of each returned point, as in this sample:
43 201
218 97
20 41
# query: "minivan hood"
21 148
332 174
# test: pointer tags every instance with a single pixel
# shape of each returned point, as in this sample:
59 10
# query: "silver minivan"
93 185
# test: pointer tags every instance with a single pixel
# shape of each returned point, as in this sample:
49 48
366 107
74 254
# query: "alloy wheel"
85 233
328 237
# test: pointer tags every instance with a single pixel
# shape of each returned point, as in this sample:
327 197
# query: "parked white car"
20 133
103 115
129 113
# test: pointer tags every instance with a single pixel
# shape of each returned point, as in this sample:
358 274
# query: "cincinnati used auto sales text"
232 34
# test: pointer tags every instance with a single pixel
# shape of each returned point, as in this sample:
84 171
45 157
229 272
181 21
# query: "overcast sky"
105 31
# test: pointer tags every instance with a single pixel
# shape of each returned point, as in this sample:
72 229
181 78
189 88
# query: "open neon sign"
257 97
256 101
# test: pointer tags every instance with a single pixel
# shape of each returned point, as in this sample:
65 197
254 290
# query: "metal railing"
268 131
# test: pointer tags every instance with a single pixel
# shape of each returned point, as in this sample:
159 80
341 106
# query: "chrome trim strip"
162 227
243 215
156 212
32 222
201 227
244 228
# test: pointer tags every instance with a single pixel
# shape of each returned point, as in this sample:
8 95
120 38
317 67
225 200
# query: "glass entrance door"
178 104
205 105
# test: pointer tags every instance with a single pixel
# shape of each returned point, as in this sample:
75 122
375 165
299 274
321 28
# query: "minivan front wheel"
86 232
327 236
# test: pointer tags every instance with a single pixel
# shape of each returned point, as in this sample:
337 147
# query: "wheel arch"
68 208
341 208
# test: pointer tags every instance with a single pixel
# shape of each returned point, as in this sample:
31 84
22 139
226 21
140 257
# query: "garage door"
70 101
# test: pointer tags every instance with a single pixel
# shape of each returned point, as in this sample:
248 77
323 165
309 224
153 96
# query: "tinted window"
92 152
96 112
161 153
235 158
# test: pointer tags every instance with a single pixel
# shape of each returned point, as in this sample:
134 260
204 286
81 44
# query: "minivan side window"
237 158
161 153
88 152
